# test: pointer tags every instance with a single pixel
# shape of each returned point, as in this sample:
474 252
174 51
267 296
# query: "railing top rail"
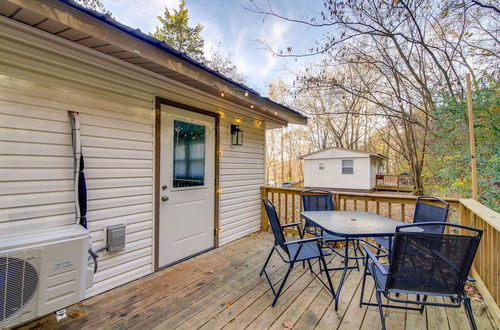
482 211
368 195
402 175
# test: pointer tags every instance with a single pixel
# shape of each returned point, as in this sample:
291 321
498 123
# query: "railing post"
461 218
264 223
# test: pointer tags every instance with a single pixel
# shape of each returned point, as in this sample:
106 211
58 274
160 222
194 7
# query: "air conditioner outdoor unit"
41 272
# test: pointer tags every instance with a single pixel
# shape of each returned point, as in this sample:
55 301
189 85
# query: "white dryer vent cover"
19 286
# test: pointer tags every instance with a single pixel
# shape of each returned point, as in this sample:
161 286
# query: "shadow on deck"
222 289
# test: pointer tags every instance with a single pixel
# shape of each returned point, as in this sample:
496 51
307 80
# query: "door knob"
164 198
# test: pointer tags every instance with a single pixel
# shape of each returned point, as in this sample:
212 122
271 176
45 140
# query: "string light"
222 94
221 114
246 93
275 113
251 106
237 120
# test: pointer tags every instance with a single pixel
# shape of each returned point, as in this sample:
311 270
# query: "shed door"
187 184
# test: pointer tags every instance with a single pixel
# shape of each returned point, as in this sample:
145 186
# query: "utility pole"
282 157
472 138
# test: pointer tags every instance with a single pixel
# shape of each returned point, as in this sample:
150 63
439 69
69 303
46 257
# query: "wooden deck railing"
394 182
486 268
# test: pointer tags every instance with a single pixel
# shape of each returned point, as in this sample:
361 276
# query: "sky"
238 30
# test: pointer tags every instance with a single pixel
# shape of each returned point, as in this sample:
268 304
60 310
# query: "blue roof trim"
138 34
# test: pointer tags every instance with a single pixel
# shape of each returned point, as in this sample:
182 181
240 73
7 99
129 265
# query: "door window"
189 154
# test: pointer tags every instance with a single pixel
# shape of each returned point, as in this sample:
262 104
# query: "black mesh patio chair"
424 212
321 200
424 263
304 249
317 200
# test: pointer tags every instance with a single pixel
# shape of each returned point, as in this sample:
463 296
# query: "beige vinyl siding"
241 176
42 78
36 169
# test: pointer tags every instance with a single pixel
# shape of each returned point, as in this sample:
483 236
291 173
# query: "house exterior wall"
332 177
241 176
42 78
373 171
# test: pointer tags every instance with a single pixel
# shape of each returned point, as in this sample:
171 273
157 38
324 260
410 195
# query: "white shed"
156 132
342 169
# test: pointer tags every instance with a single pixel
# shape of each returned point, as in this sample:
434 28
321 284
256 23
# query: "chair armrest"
304 240
376 262
291 225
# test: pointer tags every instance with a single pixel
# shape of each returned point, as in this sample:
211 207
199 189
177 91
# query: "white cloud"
235 27
251 57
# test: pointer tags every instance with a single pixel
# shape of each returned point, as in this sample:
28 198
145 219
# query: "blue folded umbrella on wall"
82 193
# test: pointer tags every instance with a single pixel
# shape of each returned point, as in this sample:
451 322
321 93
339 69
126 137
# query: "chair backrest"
425 212
275 223
431 262
317 200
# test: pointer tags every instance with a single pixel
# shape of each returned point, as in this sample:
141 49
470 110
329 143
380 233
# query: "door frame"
158 103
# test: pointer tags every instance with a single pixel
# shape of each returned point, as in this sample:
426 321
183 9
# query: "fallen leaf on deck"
229 303
288 325
75 315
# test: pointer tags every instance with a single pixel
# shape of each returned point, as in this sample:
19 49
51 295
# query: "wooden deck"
393 182
222 289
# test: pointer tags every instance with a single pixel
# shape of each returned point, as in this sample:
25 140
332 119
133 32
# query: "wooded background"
390 78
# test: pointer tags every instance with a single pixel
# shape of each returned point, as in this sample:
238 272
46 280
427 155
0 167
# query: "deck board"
222 289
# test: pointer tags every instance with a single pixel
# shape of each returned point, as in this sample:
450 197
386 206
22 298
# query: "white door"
187 184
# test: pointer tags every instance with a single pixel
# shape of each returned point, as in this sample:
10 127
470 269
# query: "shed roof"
366 153
101 32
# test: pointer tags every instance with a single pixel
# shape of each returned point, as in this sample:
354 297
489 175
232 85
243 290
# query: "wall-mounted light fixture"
236 135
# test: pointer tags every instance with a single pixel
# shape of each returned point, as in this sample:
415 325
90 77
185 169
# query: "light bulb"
251 106
222 94
246 93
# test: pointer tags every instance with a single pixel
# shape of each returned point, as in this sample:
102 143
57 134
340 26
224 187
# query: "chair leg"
381 312
330 284
267 261
310 266
363 283
470 316
282 284
423 306
355 244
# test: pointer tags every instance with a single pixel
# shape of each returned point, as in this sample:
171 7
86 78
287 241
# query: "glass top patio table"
353 223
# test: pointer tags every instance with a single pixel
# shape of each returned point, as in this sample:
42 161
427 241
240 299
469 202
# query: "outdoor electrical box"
116 237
